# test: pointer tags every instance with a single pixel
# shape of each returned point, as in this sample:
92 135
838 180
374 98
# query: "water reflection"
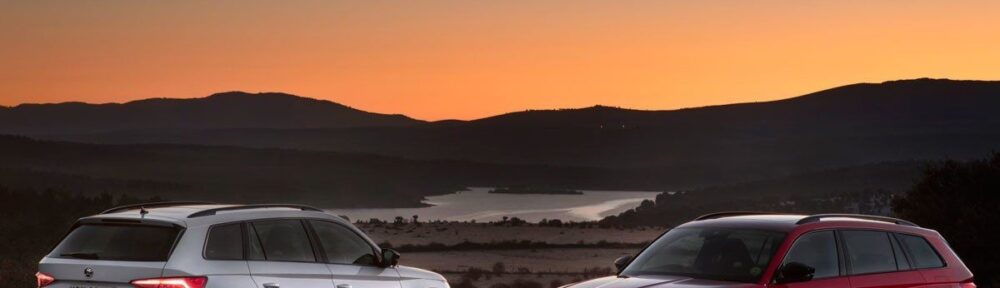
480 205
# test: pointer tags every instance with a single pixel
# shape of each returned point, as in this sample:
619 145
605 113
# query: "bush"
499 268
961 200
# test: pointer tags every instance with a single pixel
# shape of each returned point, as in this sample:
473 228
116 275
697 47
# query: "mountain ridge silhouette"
842 126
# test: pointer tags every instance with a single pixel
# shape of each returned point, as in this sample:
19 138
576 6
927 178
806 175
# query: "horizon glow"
435 60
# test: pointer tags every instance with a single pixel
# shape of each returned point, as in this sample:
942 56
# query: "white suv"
202 245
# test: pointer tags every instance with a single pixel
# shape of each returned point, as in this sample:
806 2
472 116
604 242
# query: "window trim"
376 251
300 219
850 267
909 255
208 233
836 242
896 243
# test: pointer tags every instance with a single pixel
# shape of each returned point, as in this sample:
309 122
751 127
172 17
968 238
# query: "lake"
480 205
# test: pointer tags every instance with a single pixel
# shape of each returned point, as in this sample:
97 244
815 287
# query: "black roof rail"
817 217
212 211
154 205
731 214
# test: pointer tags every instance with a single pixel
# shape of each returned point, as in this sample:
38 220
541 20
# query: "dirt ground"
541 260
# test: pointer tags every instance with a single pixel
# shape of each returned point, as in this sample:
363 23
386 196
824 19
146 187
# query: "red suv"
751 249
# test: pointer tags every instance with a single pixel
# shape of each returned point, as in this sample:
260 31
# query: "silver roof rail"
818 217
731 214
154 205
212 211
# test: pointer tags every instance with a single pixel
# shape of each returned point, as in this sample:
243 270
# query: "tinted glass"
817 250
118 242
284 240
869 252
343 246
901 262
708 253
921 253
225 242
255 252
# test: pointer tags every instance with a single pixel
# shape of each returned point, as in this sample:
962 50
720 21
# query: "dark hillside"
233 174
218 111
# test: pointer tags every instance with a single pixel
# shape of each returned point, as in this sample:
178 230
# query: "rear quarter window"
118 242
225 242
921 253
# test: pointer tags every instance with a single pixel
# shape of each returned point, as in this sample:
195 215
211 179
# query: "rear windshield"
118 242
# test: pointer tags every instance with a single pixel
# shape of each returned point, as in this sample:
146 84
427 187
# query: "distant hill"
844 126
245 175
219 111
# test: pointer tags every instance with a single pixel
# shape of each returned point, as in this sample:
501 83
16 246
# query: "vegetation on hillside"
866 189
961 200
247 175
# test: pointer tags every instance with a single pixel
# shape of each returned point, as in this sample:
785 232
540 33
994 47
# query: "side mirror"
795 272
390 258
623 261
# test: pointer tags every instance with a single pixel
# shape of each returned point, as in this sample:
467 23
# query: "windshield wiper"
81 255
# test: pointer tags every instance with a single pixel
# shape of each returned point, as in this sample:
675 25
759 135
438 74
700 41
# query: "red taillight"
172 282
967 284
44 279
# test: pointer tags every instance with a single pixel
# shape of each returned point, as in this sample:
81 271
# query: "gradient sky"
469 59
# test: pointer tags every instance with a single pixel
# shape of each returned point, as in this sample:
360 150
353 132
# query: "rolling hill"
218 111
844 126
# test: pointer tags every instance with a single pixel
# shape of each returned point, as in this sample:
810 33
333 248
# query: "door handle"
343 285
271 285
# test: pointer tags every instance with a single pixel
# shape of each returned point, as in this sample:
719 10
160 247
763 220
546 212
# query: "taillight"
172 282
44 279
967 284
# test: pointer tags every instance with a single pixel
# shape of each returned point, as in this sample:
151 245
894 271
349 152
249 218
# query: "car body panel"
290 274
411 277
71 272
658 282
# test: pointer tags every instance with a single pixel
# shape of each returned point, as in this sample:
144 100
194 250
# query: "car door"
819 251
875 259
352 260
281 255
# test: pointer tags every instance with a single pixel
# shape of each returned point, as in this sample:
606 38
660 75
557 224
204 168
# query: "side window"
869 251
284 240
901 262
921 253
255 251
225 242
817 250
342 246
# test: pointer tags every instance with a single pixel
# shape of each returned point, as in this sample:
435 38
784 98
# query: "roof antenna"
143 212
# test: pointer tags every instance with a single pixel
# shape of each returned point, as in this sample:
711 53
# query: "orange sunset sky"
469 59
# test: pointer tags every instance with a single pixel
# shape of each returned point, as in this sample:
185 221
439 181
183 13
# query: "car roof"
776 222
206 214
789 222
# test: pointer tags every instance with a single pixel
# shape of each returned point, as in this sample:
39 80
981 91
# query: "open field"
480 267
453 233
540 260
